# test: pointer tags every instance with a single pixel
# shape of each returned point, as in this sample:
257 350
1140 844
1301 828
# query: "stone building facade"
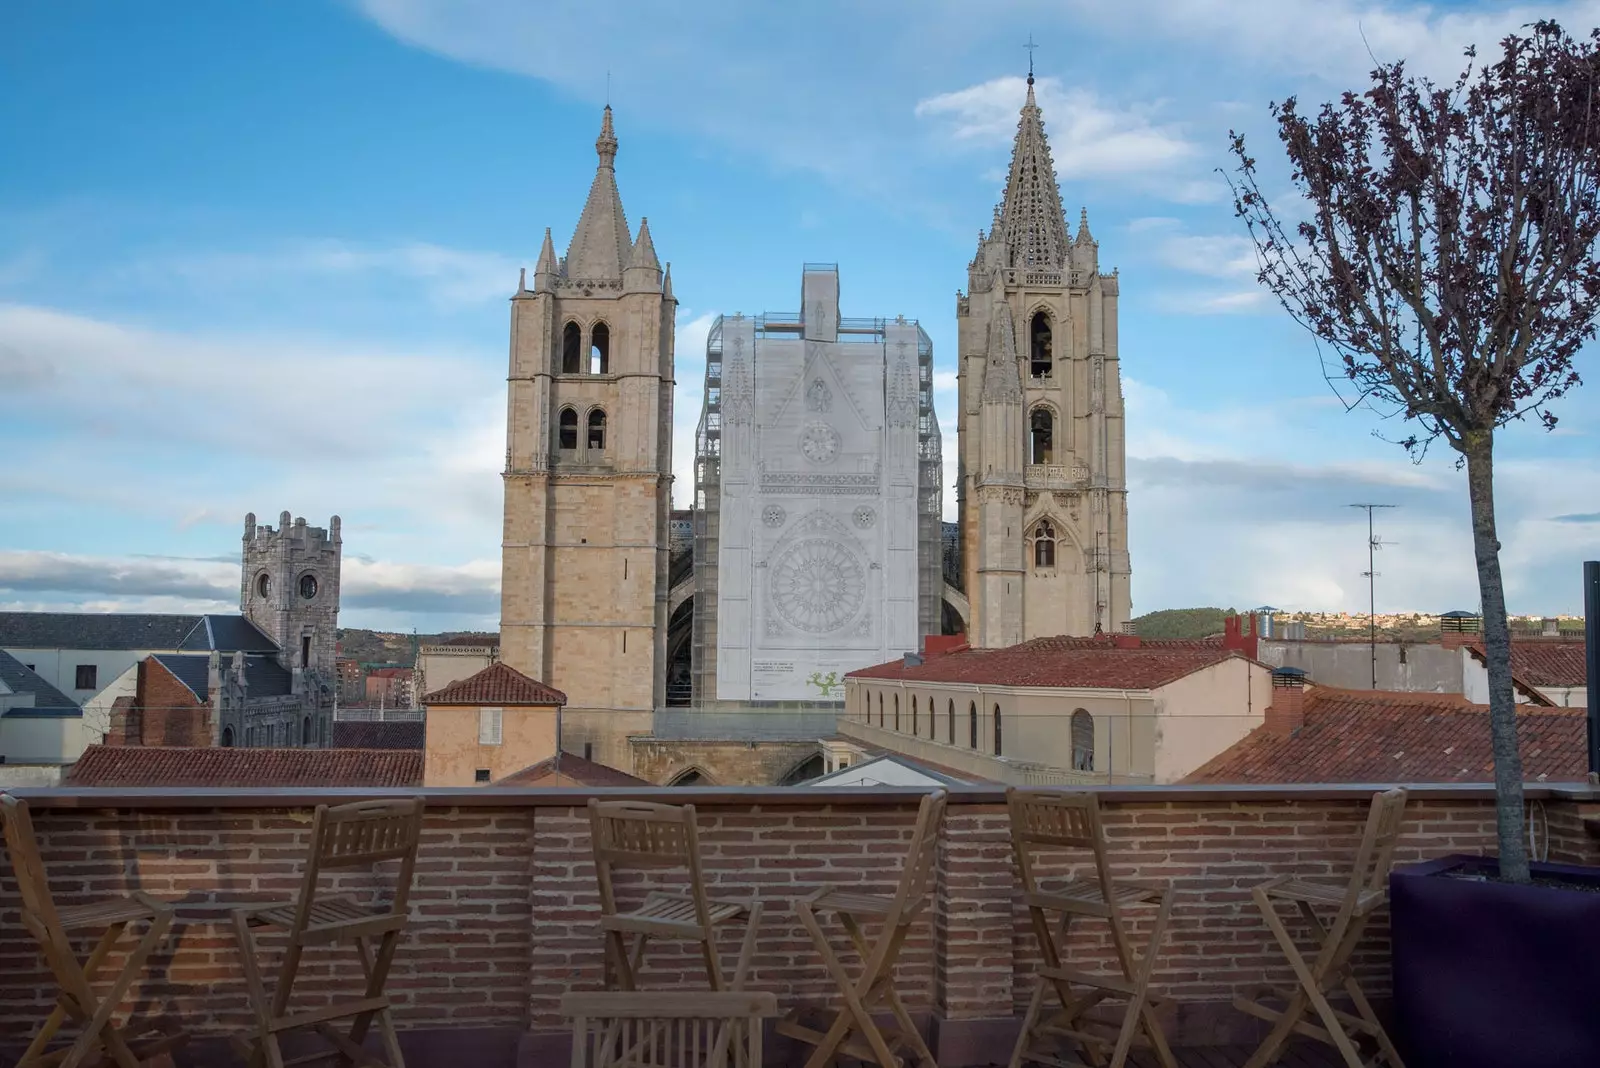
819 466
1042 490
588 472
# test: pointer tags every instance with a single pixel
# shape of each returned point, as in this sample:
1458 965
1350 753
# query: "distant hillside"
1182 622
383 647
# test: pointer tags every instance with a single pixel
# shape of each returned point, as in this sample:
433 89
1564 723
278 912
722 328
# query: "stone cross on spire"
601 245
1031 220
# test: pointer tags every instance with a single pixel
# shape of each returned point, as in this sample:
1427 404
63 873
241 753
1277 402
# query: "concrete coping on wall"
155 798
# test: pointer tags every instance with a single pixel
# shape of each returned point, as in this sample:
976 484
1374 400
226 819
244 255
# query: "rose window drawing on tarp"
818 585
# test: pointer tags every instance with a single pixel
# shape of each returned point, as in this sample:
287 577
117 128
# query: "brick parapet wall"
505 902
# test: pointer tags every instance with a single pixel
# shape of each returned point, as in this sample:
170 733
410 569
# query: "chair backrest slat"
922 856
1055 820
1376 855
360 835
23 846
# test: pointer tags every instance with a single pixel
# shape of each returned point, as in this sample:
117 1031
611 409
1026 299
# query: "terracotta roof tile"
137 765
496 684
1380 737
574 771
1095 663
1545 661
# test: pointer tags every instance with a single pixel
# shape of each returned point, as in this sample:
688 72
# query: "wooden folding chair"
53 928
640 835
1355 902
1055 822
853 1032
357 835
630 1029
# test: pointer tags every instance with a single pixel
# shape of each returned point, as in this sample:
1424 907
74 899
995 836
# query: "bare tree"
1448 260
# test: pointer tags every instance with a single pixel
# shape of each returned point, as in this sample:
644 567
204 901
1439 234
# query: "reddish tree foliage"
1448 259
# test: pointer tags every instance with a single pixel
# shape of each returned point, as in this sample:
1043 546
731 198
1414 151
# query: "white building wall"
59 667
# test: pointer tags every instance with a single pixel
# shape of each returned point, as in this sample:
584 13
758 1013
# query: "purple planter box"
1487 973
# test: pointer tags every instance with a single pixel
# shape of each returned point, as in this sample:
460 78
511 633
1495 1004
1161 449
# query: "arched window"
227 737
571 350
933 722
896 711
1041 429
597 430
1044 544
913 715
972 723
305 731
1041 350
569 430
1082 741
997 748
880 710
952 722
599 349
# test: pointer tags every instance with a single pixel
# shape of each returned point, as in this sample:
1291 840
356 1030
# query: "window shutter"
489 726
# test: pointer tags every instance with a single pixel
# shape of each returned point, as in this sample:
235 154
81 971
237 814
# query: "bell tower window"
1041 348
1044 545
600 349
568 438
1042 435
597 430
571 350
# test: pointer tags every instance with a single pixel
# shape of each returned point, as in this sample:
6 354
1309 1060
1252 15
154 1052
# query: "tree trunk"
1509 816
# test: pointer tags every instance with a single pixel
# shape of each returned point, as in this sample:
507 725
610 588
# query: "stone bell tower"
290 589
588 473
1043 489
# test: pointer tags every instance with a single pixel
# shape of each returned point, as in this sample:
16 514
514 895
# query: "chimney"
1551 628
1286 714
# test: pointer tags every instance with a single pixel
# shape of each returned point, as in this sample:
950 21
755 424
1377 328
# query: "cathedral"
1042 496
817 541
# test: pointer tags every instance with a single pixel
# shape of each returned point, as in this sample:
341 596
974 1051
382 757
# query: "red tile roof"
138 765
496 684
1095 663
1377 737
1545 661
574 771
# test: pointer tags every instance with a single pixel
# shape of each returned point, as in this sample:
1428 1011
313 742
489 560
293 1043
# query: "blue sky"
257 257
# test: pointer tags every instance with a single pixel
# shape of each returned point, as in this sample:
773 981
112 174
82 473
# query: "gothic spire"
666 283
1031 218
600 245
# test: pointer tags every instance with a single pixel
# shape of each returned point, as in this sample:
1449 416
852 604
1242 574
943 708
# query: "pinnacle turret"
1084 237
1001 382
644 250
545 271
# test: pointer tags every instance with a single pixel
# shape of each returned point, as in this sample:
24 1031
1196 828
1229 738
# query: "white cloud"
1088 138
448 278
688 398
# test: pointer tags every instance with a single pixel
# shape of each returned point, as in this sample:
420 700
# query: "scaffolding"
708 483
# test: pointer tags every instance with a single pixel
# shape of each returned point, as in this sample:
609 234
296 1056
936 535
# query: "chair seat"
659 908
326 912
104 913
1322 894
1077 892
853 904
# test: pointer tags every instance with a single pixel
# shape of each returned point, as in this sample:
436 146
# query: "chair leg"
839 1030
1030 1019
1311 984
266 1048
98 1030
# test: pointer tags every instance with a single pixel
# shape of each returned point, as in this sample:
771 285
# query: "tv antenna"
1374 543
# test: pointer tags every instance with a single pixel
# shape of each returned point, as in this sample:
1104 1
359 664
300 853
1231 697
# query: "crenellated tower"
589 471
1043 490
